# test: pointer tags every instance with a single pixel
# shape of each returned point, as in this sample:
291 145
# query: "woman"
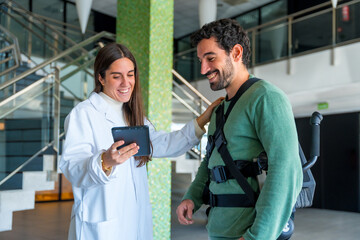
111 199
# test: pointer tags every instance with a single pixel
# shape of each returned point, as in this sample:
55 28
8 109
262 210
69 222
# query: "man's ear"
237 52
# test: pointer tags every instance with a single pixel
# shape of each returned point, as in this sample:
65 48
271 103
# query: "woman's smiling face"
119 80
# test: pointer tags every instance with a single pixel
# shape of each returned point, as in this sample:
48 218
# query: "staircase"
39 89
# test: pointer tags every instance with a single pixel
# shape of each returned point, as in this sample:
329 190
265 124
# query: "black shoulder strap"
220 141
245 86
229 162
220 117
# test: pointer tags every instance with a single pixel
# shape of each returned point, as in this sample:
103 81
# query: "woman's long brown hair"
133 109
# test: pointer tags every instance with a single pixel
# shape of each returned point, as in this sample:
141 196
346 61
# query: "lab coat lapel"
103 107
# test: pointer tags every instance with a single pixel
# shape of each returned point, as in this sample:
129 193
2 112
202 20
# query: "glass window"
273 11
311 33
271 43
183 44
347 22
52 9
249 20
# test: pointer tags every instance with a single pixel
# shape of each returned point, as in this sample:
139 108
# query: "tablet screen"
134 134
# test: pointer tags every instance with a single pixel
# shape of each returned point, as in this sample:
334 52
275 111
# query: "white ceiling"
186 17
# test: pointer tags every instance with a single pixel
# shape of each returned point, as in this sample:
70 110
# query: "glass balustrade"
308 31
26 127
35 101
28 115
271 42
312 32
188 104
347 22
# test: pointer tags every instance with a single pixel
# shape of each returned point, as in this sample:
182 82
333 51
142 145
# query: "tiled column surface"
146 28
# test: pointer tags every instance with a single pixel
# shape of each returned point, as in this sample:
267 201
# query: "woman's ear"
101 80
237 52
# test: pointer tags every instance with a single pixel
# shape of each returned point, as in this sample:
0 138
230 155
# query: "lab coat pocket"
106 230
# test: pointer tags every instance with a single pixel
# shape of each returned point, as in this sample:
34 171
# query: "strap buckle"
261 163
219 174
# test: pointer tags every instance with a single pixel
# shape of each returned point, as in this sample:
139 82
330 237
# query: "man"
260 121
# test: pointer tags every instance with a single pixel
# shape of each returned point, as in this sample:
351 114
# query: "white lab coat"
115 206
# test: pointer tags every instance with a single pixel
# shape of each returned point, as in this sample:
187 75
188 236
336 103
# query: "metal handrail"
31 30
194 90
82 67
188 95
4 49
18 6
15 42
29 160
67 25
182 101
54 48
14 46
78 59
53 59
25 90
184 91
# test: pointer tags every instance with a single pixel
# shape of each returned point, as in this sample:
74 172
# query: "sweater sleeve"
196 188
275 127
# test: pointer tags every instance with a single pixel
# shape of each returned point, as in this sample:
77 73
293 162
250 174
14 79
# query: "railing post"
8 16
253 43
84 81
56 43
200 144
333 36
288 69
30 38
56 121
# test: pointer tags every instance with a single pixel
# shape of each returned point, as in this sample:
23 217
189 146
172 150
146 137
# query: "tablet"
134 134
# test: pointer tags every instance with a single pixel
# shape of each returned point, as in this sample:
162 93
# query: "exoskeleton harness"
238 169
242 169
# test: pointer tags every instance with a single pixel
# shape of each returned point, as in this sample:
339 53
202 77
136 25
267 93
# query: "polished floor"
49 221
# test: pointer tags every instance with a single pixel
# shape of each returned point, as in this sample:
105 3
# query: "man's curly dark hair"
227 33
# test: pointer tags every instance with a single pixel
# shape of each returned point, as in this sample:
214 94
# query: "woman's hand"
113 157
204 118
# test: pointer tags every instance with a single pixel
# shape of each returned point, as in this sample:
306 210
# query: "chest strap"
229 200
218 140
221 174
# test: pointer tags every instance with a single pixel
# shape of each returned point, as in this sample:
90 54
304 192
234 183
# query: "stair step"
15 182
6 220
17 200
37 181
14 200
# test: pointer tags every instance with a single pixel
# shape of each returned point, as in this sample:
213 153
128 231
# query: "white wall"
313 80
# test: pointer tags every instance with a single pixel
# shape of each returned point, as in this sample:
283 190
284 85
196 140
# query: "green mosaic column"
146 28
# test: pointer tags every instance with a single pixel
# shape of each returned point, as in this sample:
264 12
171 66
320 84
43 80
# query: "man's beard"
225 76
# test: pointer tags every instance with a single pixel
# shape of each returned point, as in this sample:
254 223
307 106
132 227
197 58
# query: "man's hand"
184 212
241 238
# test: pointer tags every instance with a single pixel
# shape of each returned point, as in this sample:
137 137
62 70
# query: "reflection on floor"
49 221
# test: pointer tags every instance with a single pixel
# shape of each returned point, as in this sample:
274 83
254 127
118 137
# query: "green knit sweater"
261 120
